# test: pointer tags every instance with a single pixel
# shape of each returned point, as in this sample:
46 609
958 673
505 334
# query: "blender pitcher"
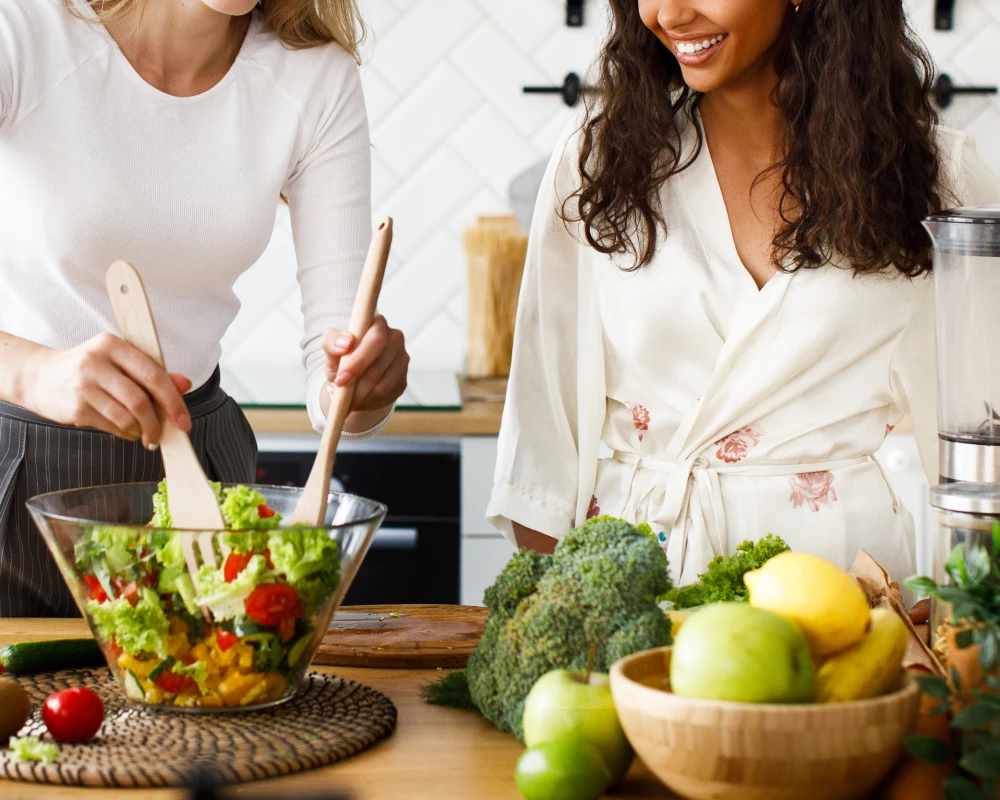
967 311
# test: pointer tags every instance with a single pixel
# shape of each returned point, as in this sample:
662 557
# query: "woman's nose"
674 14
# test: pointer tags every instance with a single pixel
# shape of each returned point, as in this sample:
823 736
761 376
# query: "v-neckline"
718 201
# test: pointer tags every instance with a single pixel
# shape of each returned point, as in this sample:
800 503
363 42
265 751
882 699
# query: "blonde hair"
298 24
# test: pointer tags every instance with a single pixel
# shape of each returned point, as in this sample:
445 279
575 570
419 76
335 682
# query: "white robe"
682 396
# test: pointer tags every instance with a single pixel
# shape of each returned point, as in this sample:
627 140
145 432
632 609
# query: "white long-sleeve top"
729 412
98 165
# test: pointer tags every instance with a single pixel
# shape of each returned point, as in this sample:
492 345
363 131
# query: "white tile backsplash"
451 128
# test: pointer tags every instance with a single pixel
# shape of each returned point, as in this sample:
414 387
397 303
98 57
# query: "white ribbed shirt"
97 165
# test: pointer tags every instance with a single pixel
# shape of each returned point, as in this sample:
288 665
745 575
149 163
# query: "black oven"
414 558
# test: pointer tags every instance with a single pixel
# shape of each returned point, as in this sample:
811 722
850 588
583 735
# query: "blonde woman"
163 132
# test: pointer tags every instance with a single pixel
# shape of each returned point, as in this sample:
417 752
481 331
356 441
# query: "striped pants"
38 456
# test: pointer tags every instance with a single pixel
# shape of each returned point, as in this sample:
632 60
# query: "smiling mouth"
698 52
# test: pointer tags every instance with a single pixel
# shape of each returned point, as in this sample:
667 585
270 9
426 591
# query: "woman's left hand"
377 365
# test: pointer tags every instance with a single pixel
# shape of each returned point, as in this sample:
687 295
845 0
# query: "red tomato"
267 558
225 639
73 715
264 512
114 649
96 590
131 593
235 564
270 603
170 681
286 629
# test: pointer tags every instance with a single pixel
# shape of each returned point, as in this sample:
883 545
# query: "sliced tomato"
235 564
267 558
96 590
170 681
115 650
270 603
130 592
225 639
264 512
286 629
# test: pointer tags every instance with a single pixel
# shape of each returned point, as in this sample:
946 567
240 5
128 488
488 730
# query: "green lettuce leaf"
139 629
31 748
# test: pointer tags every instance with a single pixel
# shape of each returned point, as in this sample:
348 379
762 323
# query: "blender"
967 313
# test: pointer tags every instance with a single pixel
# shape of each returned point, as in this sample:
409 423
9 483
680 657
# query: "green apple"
565 769
736 652
564 703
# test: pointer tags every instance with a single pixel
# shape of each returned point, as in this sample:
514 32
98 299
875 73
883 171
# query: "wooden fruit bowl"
742 751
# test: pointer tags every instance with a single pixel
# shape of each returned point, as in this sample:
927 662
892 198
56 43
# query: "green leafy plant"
974 597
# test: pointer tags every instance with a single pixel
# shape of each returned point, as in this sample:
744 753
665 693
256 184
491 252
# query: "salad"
188 634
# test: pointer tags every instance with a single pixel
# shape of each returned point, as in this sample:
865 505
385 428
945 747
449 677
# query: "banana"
868 669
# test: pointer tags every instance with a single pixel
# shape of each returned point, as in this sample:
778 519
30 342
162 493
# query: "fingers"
134 399
336 344
382 385
104 413
366 353
183 384
155 382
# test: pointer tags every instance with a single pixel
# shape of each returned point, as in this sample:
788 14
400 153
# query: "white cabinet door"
482 559
479 457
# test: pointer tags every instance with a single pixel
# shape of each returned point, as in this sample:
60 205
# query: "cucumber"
162 667
297 649
133 689
244 627
29 657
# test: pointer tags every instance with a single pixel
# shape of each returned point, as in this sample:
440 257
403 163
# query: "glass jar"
966 514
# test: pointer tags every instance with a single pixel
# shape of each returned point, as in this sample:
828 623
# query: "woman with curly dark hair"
726 305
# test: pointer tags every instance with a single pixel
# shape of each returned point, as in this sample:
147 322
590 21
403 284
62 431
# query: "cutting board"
404 636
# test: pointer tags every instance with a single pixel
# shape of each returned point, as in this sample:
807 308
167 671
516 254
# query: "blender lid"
967 498
969 231
976 215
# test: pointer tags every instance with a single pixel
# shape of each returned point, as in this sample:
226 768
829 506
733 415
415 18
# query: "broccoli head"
597 592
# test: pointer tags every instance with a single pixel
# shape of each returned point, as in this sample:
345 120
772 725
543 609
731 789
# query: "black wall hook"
944 90
944 15
574 13
571 90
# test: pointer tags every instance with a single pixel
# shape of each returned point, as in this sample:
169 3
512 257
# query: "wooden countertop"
479 416
434 752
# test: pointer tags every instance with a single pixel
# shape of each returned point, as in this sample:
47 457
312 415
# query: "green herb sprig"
974 596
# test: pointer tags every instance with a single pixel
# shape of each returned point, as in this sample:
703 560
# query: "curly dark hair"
859 169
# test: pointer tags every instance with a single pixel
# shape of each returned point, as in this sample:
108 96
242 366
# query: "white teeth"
690 48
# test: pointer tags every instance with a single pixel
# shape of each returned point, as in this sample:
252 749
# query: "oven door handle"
389 538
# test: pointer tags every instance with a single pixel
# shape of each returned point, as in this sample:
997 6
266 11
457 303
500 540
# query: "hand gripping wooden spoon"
193 504
311 508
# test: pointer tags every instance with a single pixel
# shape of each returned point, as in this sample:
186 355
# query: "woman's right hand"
107 384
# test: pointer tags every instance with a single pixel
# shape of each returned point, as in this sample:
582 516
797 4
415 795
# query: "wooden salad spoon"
311 508
193 503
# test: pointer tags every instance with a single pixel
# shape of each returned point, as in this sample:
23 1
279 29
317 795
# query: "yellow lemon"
870 668
823 600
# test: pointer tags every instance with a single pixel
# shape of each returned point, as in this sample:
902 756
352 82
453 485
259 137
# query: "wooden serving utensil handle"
311 508
193 504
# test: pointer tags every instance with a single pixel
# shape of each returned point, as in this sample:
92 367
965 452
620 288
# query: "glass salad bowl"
205 620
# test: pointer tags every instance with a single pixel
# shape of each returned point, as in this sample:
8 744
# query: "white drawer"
479 458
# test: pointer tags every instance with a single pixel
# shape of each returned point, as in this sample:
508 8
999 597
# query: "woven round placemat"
327 721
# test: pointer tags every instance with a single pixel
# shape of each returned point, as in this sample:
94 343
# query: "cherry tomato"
264 512
225 639
96 590
73 715
170 681
235 564
270 603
